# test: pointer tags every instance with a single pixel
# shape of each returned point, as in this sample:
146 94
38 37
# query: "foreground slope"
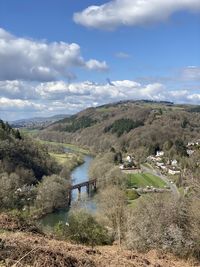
27 249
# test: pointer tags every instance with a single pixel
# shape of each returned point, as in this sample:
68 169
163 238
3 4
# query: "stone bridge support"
90 185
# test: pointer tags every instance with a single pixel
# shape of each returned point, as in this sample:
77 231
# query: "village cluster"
159 161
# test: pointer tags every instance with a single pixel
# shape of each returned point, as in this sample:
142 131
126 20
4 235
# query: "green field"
70 146
144 179
62 158
69 160
29 131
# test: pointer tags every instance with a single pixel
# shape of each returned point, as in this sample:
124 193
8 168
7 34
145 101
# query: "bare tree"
112 204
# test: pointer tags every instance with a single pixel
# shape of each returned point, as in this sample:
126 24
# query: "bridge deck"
86 183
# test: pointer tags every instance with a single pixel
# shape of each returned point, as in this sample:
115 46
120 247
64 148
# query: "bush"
83 228
132 194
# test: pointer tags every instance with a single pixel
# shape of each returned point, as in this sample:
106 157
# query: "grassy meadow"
144 180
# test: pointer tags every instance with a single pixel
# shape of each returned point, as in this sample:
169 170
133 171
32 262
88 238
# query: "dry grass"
26 249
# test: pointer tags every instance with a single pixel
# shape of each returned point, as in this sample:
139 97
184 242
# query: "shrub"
83 228
132 194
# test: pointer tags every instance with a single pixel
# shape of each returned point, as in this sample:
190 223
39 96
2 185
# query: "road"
172 186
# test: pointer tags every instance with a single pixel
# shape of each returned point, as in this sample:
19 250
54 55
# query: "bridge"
90 185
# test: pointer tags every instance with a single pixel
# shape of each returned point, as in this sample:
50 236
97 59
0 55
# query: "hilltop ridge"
127 125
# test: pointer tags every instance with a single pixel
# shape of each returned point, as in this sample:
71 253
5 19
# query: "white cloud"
18 104
87 93
49 98
94 64
122 55
18 89
27 59
191 73
132 12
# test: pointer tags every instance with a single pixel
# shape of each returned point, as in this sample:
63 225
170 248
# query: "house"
151 158
174 162
129 159
163 167
190 152
190 144
159 164
158 159
160 153
173 172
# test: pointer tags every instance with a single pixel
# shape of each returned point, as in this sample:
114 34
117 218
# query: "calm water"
79 174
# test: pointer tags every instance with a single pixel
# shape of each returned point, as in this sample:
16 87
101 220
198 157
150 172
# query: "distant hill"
128 126
38 122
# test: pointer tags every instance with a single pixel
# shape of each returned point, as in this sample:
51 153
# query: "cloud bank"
49 98
132 12
33 77
26 59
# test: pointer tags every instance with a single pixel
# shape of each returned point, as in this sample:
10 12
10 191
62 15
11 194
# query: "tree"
52 193
118 157
112 204
165 223
9 183
114 176
180 147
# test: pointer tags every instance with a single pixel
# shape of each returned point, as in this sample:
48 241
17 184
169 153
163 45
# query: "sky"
61 56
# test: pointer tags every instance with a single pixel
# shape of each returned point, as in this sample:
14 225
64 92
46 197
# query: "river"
79 174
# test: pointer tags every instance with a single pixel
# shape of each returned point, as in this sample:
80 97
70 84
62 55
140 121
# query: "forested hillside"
30 179
128 126
18 152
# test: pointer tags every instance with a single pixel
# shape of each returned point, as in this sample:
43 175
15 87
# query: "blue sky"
148 50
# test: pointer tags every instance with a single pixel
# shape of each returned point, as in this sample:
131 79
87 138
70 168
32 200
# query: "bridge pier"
88 189
95 186
79 193
69 197
91 184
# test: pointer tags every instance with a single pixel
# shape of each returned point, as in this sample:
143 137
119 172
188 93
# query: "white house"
129 158
190 144
174 162
163 167
160 153
173 172
159 164
190 152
